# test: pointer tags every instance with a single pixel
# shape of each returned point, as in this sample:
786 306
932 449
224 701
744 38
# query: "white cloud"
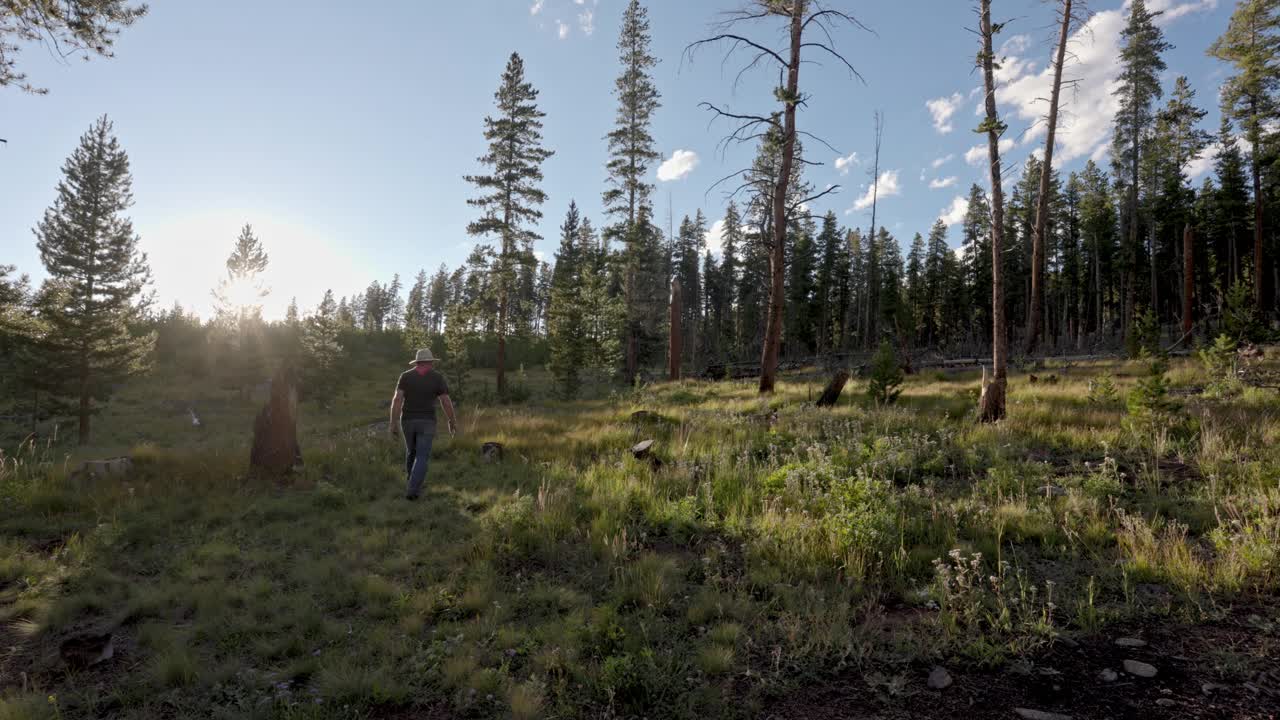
714 239
889 187
946 182
977 155
942 109
954 213
680 164
586 21
562 29
536 7
943 160
1016 45
1173 10
1088 110
846 163
1202 165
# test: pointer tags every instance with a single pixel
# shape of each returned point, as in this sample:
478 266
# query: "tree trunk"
275 449
1188 277
777 253
1257 218
991 405
831 394
502 346
1042 203
674 341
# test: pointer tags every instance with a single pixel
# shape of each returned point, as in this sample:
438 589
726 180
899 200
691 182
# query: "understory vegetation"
773 546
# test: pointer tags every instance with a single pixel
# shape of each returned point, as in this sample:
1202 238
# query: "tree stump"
491 452
275 431
643 450
831 394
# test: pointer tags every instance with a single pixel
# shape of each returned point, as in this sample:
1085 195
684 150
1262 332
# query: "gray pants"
418 436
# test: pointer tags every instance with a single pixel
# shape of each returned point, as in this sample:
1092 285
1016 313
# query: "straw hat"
424 355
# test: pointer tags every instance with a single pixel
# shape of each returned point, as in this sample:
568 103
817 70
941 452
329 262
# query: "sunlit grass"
572 580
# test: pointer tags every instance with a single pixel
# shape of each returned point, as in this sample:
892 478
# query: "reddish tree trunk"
777 253
275 431
1188 277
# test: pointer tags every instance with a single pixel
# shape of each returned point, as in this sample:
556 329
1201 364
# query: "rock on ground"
939 679
1140 669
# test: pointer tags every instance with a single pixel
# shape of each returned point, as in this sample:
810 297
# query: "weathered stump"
275 431
831 394
491 452
643 450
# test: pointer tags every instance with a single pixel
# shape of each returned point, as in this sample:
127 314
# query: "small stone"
1028 714
939 679
1141 669
1166 702
1210 688
1130 642
1108 675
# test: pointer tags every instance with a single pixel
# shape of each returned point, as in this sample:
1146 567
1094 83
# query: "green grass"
572 580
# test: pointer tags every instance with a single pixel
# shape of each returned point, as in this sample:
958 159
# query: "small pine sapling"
885 383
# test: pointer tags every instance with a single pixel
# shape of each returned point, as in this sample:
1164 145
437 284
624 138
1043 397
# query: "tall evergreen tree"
627 195
976 232
830 309
565 326
1138 87
731 245
686 256
510 195
1252 98
416 310
915 310
91 253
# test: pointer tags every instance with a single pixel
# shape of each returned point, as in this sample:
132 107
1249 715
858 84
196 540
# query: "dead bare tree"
873 270
800 16
1035 321
991 405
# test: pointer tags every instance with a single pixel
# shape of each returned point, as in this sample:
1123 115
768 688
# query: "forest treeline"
1131 253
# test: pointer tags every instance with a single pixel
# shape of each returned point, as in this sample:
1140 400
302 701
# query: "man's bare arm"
397 402
447 404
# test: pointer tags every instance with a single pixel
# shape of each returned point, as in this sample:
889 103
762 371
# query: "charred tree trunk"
831 394
1188 277
991 405
1034 327
674 342
275 431
777 253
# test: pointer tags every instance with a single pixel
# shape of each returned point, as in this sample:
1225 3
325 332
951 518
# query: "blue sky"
343 135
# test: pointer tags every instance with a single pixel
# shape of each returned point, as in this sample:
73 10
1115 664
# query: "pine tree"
627 195
238 297
76 28
686 256
1138 87
830 309
731 244
322 372
801 322
976 231
510 196
565 326
915 295
91 253
1098 222
1231 206
438 299
416 310
938 278
1252 98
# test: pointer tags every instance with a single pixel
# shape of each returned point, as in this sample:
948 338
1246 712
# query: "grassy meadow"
777 550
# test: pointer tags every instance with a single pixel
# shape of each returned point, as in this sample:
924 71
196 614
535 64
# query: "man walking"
413 409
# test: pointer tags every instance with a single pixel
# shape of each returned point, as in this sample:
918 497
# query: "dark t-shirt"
420 393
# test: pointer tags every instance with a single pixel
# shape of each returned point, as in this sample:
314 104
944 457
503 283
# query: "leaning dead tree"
800 17
1067 18
991 404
